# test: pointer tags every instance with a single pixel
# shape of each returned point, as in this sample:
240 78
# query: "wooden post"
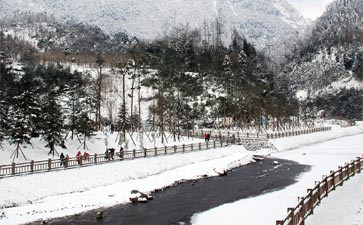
325 180
291 215
145 152
95 158
49 164
311 203
341 177
302 211
165 150
156 151
134 153
319 192
192 146
200 146
332 174
359 164
347 170
353 164
175 148
183 148
214 144
206 144
32 166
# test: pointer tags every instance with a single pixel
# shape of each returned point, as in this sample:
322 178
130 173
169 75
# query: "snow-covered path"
268 208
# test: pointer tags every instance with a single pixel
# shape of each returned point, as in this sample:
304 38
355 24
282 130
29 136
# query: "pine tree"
123 121
52 121
76 104
85 128
227 77
242 64
28 104
7 90
2 118
19 130
358 65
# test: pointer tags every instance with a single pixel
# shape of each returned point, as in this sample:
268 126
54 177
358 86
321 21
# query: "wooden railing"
51 165
216 135
306 205
296 132
218 141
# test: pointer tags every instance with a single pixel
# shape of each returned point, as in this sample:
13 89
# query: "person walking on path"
79 157
66 160
61 157
206 137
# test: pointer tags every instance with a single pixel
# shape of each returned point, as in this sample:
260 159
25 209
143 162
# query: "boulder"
138 196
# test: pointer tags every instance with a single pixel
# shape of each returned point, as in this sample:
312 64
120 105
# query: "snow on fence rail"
241 135
306 205
49 165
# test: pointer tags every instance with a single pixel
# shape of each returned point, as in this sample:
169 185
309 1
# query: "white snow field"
56 194
323 157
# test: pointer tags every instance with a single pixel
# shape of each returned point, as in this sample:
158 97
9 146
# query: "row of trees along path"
51 165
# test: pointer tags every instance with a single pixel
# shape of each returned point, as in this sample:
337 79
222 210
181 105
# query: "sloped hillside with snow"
272 26
328 66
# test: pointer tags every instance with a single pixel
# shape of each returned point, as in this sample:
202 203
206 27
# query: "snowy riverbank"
56 194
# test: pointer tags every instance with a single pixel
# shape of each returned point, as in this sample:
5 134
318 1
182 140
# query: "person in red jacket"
79 157
85 155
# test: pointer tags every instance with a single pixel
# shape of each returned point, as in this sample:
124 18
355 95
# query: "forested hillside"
327 68
194 83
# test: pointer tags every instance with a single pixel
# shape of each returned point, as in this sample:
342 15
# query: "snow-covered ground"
323 157
343 207
67 192
56 194
38 151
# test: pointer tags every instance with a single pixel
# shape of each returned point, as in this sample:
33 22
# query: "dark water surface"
175 205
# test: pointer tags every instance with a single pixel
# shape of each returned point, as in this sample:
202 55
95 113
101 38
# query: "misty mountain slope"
272 26
328 66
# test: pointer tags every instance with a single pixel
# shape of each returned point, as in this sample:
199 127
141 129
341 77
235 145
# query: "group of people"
65 159
79 156
110 153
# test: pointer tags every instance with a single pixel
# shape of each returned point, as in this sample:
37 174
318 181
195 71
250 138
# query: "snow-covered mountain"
271 25
328 67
